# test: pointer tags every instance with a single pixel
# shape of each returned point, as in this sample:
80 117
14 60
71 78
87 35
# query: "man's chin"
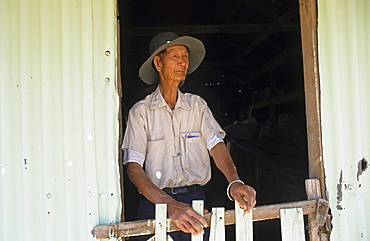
181 78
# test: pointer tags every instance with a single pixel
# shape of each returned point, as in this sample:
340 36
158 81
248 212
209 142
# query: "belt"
182 190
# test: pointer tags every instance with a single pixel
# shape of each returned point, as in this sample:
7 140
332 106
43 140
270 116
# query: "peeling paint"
339 207
339 187
340 191
361 167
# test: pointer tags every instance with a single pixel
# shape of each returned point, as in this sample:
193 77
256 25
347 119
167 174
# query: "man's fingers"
246 196
187 219
198 222
191 226
201 221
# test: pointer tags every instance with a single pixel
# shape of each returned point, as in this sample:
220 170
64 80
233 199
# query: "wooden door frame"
309 38
309 41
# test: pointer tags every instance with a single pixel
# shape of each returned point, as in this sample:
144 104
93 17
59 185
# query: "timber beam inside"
211 29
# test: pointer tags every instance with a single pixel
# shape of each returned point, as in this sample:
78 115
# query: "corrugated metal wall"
344 62
58 119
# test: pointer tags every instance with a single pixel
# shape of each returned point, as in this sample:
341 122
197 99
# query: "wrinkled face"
173 64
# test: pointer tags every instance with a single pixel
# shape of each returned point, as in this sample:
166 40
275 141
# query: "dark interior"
252 79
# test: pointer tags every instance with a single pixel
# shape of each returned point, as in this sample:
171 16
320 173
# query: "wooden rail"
260 213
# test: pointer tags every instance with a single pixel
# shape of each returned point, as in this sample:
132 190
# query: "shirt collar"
158 101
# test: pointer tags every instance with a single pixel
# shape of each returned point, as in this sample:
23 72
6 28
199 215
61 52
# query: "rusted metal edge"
144 227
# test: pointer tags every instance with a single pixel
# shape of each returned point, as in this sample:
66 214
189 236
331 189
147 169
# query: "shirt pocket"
193 150
155 145
156 137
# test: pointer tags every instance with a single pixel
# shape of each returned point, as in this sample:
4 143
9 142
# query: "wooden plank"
313 189
198 206
143 227
217 232
309 37
292 225
273 211
243 224
211 29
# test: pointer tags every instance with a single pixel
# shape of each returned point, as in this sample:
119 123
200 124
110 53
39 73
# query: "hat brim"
149 74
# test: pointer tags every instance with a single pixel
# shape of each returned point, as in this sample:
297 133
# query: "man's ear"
157 63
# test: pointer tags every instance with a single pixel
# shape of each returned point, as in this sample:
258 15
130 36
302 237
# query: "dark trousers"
146 210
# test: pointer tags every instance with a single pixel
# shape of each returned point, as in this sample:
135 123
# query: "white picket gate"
290 215
292 225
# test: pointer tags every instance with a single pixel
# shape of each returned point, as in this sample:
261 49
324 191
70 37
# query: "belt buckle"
173 190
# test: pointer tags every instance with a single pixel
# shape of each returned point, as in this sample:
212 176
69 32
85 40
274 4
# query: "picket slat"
198 206
243 224
160 222
292 225
217 232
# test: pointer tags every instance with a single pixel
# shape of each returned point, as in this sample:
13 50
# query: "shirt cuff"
130 155
213 140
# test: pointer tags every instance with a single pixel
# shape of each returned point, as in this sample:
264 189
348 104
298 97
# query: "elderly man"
171 134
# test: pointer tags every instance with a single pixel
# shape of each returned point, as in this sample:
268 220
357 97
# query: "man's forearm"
145 186
245 195
224 161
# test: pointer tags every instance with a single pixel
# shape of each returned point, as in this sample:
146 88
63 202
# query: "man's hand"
188 220
245 195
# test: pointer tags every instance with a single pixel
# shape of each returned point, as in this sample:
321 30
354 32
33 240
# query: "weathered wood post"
318 219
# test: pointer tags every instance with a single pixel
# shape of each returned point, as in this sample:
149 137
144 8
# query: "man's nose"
181 60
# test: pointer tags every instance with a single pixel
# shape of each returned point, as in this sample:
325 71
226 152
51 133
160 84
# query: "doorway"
252 78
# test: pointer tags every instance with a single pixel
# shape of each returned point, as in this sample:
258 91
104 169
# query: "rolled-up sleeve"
135 136
213 139
210 127
130 155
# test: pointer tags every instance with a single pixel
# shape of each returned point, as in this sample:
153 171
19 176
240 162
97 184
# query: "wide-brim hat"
147 71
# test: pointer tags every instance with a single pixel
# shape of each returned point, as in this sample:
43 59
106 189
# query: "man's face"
173 64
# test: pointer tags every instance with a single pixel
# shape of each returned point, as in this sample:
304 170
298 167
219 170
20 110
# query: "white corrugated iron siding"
344 62
58 119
